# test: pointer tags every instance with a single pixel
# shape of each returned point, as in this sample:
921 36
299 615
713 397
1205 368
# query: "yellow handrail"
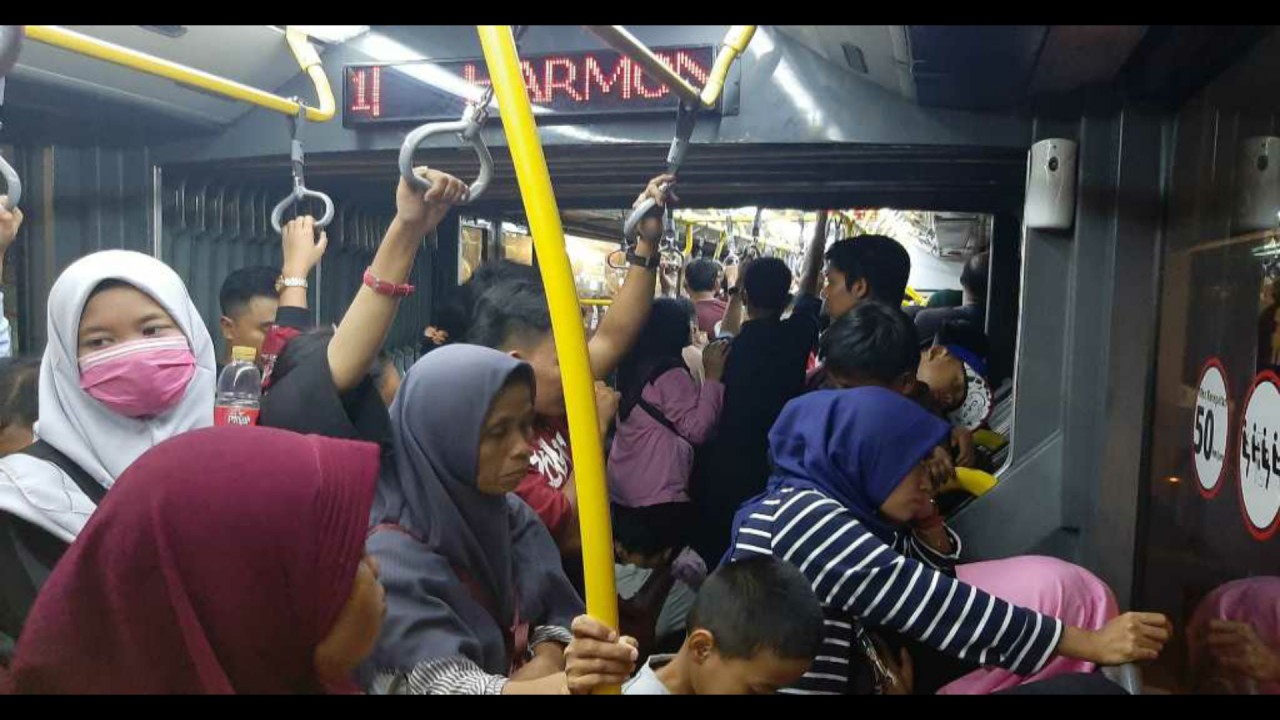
734 43
915 296
566 320
306 55
595 301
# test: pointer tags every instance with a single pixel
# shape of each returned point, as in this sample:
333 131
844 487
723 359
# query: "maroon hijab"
216 564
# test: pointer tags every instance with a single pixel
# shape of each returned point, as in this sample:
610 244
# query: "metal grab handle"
633 220
468 131
299 194
13 185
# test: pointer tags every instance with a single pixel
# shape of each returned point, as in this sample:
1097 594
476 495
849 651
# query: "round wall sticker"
1258 459
1209 431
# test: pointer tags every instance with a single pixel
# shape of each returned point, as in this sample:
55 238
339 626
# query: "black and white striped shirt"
858 577
457 675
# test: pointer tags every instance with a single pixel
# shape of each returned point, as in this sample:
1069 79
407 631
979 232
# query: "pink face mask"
140 378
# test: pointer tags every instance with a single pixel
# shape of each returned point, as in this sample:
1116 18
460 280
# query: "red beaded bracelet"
382 287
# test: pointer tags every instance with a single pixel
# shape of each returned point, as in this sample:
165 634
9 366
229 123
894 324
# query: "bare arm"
813 256
364 328
732 322
626 317
301 255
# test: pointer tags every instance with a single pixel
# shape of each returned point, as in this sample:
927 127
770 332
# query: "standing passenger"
128 365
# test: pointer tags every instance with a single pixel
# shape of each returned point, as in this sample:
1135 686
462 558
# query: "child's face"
762 674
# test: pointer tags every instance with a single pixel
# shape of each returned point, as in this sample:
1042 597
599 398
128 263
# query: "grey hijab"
448 529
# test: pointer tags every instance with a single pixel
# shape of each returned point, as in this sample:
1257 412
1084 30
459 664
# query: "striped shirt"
457 675
858 578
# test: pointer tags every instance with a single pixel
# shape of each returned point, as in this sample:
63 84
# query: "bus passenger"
849 475
755 627
128 364
174 588
322 381
509 313
478 602
10 223
248 300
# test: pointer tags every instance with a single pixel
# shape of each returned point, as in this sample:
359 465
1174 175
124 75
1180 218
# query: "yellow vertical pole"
566 319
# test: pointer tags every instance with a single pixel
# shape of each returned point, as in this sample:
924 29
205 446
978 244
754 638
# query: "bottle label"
234 415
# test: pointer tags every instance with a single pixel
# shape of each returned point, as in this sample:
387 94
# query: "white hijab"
100 441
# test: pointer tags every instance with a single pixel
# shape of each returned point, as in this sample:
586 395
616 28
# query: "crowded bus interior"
648 360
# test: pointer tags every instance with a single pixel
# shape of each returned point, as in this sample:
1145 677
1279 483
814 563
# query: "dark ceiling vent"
853 56
171 31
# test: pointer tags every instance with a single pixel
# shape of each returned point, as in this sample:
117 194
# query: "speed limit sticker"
1210 432
1259 456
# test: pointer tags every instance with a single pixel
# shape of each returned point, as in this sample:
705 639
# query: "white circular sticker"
1259 456
1209 432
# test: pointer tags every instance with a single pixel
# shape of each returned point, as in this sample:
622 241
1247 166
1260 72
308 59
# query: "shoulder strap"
44 451
656 414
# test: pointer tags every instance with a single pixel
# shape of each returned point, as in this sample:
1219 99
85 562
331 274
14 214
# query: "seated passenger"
973 280
509 313
1234 638
765 369
128 364
248 300
19 403
174 588
321 382
664 415
755 627
477 600
1048 585
849 475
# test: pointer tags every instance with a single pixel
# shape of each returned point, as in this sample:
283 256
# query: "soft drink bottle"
239 390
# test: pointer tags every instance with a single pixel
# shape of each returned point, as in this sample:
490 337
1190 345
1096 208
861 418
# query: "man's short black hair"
880 260
874 340
700 275
974 275
19 391
760 603
507 302
768 284
244 285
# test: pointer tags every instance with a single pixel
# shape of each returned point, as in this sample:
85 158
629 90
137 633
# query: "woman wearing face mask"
228 560
128 364
478 602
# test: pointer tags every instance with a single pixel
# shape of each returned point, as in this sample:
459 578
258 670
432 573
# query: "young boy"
755 628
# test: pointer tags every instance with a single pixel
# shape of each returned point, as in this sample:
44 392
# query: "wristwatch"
649 263
283 282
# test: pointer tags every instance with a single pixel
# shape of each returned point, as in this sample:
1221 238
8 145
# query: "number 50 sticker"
1209 435
1259 456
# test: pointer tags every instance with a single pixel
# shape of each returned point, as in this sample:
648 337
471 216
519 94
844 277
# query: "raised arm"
732 322
301 255
364 328
626 317
813 256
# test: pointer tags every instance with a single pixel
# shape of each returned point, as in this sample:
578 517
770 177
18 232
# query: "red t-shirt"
550 466
710 312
